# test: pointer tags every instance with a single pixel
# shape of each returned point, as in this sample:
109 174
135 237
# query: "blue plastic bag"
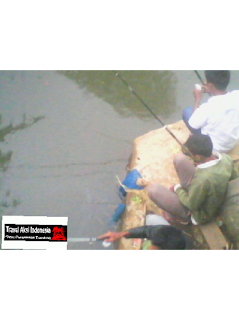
130 181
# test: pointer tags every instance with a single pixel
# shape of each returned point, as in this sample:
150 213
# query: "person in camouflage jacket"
203 184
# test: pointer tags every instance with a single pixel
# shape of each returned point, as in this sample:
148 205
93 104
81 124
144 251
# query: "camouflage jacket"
208 188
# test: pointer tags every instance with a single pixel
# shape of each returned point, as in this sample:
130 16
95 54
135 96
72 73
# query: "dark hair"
168 238
199 144
220 79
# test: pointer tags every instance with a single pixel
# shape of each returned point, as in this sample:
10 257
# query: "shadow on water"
156 88
5 158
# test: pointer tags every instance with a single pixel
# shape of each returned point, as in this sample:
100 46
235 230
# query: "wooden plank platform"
213 236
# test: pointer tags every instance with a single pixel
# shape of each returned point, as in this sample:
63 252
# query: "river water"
66 135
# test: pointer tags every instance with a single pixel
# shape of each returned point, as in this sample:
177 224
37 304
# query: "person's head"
167 238
217 80
200 145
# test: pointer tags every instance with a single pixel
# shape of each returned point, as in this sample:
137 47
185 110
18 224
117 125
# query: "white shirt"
219 118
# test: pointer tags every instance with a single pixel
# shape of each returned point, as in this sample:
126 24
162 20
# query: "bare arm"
138 232
113 236
198 95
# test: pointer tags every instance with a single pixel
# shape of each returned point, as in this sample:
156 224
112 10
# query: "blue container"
118 213
130 181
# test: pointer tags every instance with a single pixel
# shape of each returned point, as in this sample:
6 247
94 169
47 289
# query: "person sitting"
219 116
202 187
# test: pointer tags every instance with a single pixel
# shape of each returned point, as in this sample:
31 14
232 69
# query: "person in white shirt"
219 116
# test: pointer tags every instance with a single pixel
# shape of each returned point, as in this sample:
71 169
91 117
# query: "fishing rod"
201 80
147 107
199 77
90 240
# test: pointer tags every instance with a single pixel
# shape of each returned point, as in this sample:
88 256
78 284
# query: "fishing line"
147 107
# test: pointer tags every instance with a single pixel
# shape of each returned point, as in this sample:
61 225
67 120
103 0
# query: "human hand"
197 93
199 90
172 188
111 236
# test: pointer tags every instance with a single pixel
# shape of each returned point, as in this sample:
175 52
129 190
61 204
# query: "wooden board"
213 236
